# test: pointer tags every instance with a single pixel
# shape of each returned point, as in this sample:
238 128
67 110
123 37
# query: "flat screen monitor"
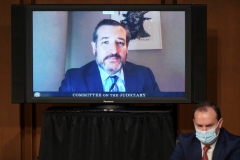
108 53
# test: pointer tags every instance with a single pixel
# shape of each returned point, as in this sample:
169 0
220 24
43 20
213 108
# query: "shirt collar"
105 75
212 145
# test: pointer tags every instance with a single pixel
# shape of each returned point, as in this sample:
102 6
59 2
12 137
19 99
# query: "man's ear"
220 123
94 49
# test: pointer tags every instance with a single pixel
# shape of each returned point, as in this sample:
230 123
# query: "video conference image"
133 54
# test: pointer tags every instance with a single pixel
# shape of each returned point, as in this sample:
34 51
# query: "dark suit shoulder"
134 69
186 139
84 69
187 148
227 146
229 137
82 79
130 65
139 78
187 135
89 68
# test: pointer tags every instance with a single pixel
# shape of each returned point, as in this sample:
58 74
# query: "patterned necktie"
114 87
205 149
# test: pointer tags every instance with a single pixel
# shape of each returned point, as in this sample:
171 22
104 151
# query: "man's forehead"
111 31
205 114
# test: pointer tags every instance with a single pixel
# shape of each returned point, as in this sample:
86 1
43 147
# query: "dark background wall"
20 124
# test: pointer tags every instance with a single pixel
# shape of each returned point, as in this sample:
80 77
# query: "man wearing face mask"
210 141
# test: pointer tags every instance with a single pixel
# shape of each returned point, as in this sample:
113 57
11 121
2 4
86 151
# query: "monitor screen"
108 53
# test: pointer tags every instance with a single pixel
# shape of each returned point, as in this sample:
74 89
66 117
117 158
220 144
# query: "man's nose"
113 49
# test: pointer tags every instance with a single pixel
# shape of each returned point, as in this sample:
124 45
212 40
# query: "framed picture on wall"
144 27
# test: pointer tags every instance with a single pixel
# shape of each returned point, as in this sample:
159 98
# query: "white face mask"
207 137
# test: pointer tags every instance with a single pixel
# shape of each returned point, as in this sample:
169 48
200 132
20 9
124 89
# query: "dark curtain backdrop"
98 135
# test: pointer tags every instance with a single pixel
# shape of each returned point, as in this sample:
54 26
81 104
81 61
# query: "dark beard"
103 66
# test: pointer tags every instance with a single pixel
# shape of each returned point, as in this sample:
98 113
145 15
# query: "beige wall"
223 67
10 139
20 125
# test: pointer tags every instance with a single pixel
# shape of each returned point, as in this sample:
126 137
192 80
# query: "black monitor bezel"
101 7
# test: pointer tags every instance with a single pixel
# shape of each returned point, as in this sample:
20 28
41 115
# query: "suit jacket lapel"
130 78
196 150
93 79
219 147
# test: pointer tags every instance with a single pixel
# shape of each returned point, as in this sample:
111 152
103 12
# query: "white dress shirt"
106 82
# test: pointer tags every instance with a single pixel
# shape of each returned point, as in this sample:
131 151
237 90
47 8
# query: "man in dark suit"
210 141
110 72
